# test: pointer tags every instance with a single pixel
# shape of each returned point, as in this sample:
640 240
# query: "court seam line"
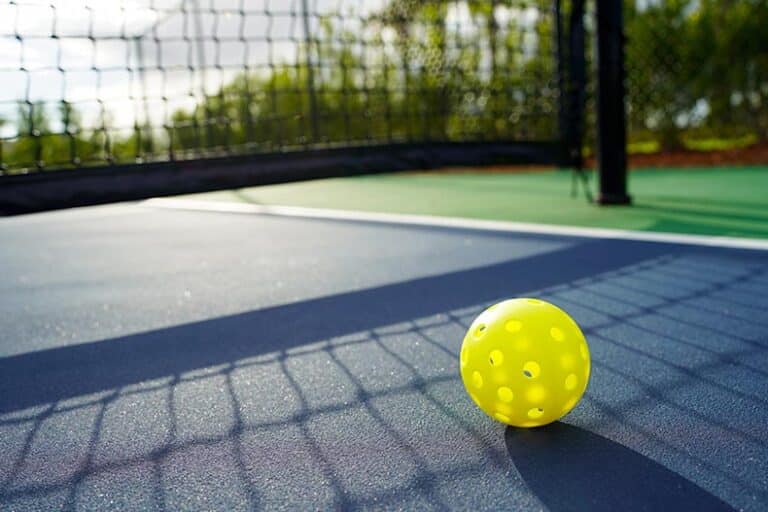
456 222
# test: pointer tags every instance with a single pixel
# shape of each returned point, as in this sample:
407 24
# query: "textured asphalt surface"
176 360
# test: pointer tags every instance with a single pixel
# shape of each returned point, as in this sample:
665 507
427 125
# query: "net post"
611 115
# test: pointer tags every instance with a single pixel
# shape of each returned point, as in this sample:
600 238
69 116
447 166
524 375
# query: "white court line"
456 222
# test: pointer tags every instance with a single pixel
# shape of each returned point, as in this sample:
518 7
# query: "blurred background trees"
697 71
697 75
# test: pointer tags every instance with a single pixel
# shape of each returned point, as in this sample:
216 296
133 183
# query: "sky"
95 54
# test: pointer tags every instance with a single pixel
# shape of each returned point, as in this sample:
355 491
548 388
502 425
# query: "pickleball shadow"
569 468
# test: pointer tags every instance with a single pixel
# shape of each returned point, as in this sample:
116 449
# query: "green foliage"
697 68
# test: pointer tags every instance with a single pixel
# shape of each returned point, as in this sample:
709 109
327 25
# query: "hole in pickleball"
479 331
502 418
535 302
535 413
531 369
571 381
505 394
583 351
557 334
513 325
477 379
496 357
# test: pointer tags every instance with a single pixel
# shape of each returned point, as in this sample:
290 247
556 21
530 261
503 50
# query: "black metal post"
611 115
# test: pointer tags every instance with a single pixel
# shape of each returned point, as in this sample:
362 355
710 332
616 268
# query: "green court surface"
730 201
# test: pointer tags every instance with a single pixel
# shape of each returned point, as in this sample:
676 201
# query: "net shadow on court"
371 411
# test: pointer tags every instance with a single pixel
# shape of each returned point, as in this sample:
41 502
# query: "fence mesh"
94 83
697 74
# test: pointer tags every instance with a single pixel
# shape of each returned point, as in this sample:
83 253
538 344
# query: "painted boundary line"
456 222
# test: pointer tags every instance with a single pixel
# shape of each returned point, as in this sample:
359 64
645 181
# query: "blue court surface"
155 359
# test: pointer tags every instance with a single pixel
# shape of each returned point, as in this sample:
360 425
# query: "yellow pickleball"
525 362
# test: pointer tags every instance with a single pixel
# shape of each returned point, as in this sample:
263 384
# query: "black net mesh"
95 83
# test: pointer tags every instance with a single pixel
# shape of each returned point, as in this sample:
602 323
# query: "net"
106 83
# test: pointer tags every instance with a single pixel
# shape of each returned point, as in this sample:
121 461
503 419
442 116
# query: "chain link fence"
697 74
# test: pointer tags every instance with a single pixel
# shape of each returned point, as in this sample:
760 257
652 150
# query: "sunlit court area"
383 255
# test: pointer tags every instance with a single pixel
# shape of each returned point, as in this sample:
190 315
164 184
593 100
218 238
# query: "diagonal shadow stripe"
57 374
